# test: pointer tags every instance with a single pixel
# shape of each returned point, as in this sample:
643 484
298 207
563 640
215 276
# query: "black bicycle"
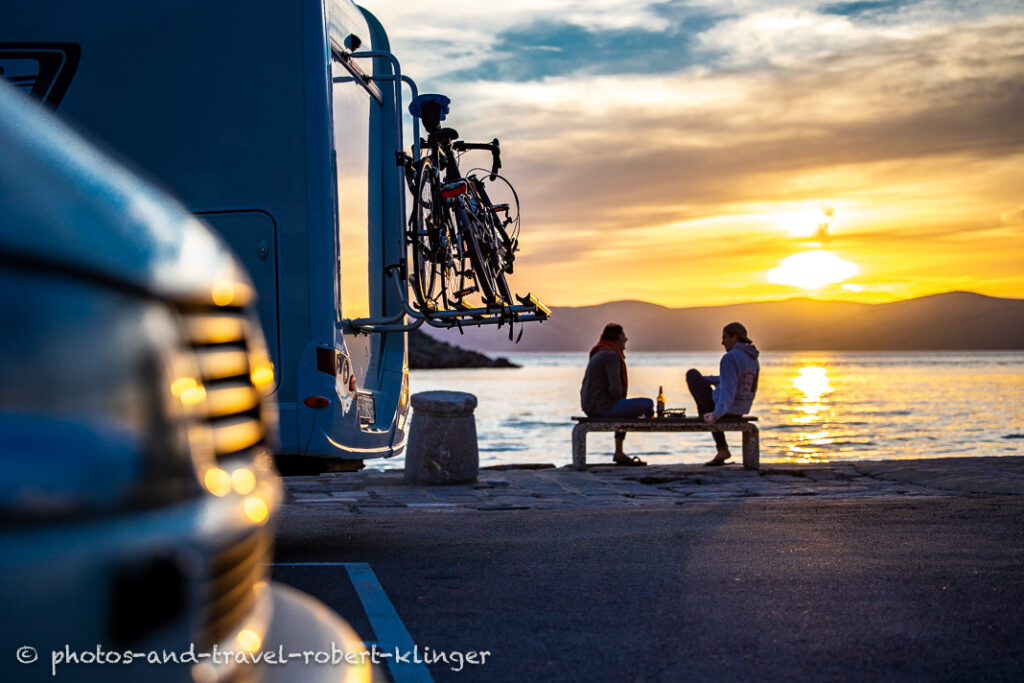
460 242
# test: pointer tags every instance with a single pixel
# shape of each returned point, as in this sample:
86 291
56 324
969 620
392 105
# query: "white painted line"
393 638
391 632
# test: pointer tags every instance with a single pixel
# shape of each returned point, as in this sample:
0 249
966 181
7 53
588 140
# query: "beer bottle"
661 401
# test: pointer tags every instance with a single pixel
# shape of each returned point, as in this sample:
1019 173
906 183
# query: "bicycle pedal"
427 306
462 293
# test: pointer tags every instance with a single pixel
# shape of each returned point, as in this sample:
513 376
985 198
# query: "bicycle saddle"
431 108
446 135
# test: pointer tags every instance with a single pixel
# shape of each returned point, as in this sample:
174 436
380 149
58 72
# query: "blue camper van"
260 120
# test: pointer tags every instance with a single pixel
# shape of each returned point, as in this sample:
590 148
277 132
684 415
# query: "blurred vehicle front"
137 489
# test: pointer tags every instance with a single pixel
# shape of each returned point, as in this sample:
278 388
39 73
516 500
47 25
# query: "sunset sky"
706 152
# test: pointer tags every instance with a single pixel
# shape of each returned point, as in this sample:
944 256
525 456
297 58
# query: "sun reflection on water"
813 407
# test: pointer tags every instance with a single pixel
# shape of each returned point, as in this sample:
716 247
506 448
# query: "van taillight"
327 360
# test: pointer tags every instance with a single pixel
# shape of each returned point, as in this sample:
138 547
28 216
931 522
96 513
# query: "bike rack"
397 79
529 308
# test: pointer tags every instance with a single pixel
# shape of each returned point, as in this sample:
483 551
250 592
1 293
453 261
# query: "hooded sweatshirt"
737 380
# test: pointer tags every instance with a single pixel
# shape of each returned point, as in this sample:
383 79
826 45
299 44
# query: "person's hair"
611 332
737 330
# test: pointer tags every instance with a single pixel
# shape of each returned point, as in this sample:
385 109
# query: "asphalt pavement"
900 571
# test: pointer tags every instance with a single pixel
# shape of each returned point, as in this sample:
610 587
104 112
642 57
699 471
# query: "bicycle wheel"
503 288
455 271
495 252
471 229
501 202
427 230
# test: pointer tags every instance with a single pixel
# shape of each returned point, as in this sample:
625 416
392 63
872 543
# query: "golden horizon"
852 298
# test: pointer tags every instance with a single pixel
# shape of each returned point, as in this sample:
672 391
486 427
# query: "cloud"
639 141
434 38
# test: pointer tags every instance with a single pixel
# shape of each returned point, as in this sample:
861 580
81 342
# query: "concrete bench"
585 425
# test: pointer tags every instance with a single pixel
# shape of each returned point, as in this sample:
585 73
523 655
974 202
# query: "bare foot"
720 458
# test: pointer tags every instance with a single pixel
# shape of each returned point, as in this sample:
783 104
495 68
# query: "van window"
351 112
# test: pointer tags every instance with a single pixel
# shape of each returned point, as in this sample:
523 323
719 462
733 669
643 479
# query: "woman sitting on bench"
604 387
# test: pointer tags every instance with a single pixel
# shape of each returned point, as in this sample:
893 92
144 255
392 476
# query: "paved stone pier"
601 486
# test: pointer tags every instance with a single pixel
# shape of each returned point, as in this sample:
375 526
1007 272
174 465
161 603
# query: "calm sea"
812 407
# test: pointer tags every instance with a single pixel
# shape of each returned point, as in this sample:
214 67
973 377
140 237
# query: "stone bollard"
442 439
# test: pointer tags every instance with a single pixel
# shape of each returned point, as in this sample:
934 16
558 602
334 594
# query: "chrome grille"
235 572
221 341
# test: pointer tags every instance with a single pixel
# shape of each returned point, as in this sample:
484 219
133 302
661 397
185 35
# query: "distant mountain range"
951 321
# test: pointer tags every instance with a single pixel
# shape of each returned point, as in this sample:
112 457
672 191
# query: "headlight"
88 417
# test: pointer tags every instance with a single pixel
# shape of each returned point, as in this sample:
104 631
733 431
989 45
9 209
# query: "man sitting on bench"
604 387
736 385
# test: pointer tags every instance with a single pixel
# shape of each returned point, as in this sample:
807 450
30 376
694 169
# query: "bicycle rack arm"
397 78
392 323
529 309
415 120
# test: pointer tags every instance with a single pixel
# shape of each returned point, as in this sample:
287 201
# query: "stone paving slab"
994 475
600 486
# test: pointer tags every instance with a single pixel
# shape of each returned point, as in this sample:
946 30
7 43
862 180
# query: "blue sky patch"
865 7
528 53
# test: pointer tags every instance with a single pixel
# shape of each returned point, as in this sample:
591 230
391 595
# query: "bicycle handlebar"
494 146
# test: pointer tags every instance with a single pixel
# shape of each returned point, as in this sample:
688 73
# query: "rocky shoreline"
427 353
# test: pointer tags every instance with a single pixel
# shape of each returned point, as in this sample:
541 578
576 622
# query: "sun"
812 270
808 222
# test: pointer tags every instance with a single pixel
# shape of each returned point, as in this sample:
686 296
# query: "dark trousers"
626 407
701 391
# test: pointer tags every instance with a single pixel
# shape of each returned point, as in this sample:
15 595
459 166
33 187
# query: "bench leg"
751 448
579 447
